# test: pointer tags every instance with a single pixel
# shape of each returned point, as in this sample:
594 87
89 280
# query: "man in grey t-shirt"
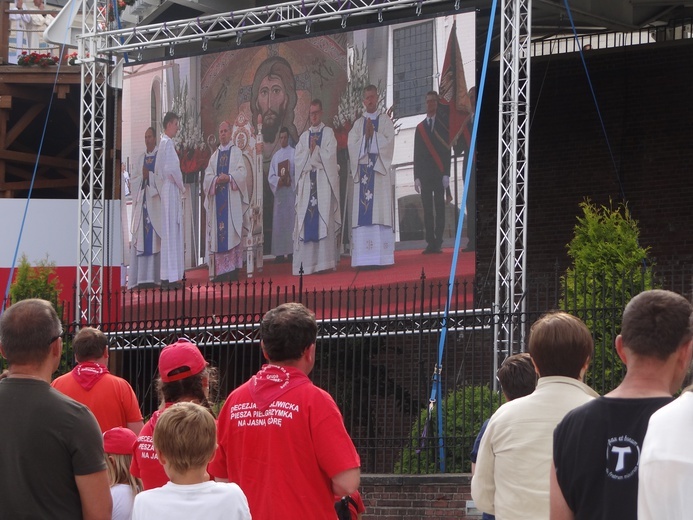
51 462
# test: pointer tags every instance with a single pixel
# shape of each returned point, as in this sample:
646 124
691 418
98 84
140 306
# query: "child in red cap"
118 445
183 376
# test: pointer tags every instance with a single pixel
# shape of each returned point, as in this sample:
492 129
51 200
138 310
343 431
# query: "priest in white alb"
169 179
371 146
282 181
318 221
226 201
145 243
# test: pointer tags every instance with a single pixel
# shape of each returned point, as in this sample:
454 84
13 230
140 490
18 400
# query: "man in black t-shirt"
51 461
596 450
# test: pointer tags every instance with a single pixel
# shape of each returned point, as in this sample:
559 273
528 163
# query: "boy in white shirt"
185 441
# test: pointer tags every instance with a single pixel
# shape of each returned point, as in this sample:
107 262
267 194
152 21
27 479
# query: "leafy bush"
41 281
35 282
609 267
464 411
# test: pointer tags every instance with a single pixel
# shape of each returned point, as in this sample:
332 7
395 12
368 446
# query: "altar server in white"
169 180
282 181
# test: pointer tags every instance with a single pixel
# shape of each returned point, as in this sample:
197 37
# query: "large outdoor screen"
351 210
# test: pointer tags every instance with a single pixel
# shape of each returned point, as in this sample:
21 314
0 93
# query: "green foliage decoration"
464 411
609 267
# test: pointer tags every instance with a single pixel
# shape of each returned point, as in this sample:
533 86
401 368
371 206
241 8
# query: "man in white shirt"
514 460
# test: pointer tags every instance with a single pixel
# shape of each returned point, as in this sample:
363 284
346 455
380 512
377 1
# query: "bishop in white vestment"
226 201
145 243
371 146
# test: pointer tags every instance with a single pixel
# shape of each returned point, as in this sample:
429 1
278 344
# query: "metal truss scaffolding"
92 164
513 141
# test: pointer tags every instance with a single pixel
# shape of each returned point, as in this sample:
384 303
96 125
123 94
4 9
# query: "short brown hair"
89 344
27 330
170 116
186 435
287 331
656 323
517 376
560 344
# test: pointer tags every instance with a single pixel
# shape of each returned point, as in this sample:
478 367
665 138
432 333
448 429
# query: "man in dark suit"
432 172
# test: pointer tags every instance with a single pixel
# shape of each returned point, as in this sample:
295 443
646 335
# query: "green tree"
35 282
41 281
609 267
464 411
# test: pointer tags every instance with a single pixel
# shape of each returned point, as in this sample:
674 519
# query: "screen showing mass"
336 154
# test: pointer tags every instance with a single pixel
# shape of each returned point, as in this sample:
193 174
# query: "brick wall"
389 497
645 102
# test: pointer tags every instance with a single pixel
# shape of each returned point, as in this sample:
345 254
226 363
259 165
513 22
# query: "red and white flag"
453 89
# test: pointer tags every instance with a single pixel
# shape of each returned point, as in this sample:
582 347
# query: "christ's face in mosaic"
272 102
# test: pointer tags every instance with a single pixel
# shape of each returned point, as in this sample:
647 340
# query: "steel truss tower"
92 162
513 141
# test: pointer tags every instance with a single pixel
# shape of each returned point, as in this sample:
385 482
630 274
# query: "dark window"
412 68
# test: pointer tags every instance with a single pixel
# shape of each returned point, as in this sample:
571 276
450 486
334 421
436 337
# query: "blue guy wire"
33 178
594 97
436 391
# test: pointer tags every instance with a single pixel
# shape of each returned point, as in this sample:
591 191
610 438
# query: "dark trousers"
433 200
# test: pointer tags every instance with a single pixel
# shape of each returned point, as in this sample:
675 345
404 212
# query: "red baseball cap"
183 358
119 441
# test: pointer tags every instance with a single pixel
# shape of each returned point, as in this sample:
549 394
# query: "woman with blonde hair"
118 446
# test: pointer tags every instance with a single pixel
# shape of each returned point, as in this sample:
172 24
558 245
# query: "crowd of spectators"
563 452
77 448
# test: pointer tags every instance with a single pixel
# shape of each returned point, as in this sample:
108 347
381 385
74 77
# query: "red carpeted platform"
345 292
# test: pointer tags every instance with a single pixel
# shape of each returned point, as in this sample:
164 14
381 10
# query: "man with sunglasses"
51 462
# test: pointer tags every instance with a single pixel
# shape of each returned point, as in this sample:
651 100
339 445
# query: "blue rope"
594 97
33 179
437 390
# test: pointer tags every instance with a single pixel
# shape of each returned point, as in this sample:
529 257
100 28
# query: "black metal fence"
377 352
